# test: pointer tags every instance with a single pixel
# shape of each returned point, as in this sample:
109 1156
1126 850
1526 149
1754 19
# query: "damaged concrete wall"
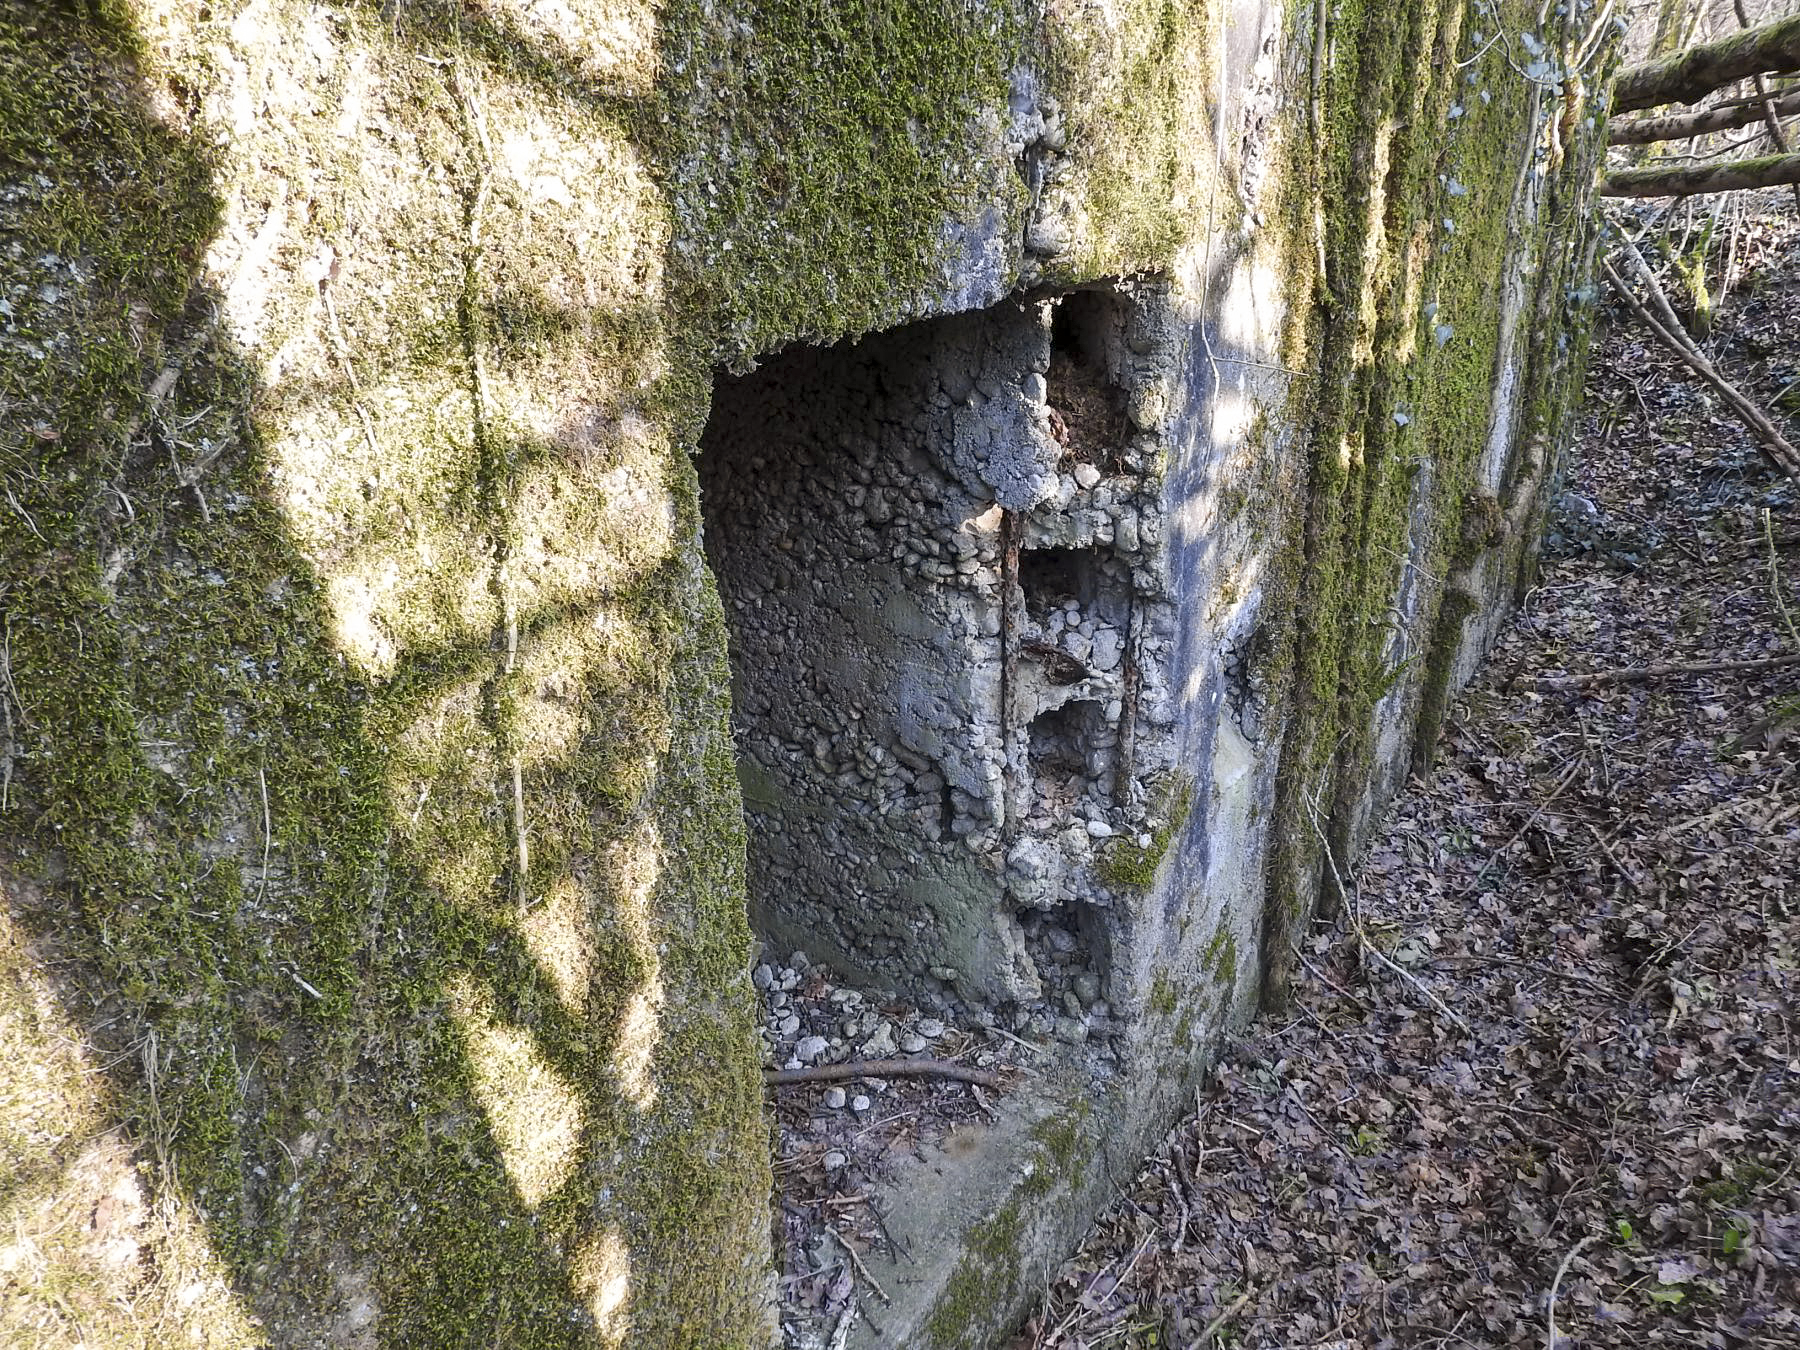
937 553
1152 410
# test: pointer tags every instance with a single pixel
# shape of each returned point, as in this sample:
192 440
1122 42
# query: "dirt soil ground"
1542 1085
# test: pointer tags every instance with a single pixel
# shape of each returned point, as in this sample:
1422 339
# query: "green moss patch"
814 154
1418 163
1128 864
292 849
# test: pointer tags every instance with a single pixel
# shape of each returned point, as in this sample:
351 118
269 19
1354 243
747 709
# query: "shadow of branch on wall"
371 878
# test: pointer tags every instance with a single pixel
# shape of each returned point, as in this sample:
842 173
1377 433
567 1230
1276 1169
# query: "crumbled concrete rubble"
946 573
811 1022
942 556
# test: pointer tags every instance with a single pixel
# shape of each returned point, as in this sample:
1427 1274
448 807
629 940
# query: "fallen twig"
1773 443
1049 1342
1612 857
1354 891
1330 983
840 1335
1636 674
1213 1327
1530 820
1483 959
1775 586
1555 1285
857 1261
882 1068
1036 1051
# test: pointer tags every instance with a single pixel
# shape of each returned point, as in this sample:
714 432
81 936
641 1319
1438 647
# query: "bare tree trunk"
1690 180
1643 130
1695 73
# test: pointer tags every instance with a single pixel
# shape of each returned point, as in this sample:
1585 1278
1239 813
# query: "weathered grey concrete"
947 587
1012 698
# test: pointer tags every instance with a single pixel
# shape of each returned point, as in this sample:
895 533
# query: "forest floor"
1562 1107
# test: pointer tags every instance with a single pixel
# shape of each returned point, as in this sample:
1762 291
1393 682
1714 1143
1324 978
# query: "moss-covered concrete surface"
373 952
371 818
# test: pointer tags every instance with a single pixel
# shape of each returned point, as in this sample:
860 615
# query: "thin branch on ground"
883 1068
1775 589
1330 983
1774 444
1551 972
1658 297
1217 1324
857 1261
1556 1286
840 1336
1354 890
1637 674
1530 820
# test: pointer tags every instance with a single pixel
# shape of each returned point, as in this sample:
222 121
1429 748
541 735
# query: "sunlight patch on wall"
637 863
558 932
584 534
535 1116
602 1279
90 1252
612 41
1418 254
639 1031
1374 243
396 597
1251 312
440 776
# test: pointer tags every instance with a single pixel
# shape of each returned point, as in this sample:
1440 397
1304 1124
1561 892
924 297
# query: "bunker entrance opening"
929 614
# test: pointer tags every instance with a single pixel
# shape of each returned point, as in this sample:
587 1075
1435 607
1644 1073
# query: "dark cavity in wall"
931 549
1085 387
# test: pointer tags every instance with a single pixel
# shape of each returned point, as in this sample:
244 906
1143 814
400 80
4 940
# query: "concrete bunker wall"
377 763
940 554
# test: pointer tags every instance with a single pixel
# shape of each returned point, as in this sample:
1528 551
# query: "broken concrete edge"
1471 524
1021 1192
952 633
